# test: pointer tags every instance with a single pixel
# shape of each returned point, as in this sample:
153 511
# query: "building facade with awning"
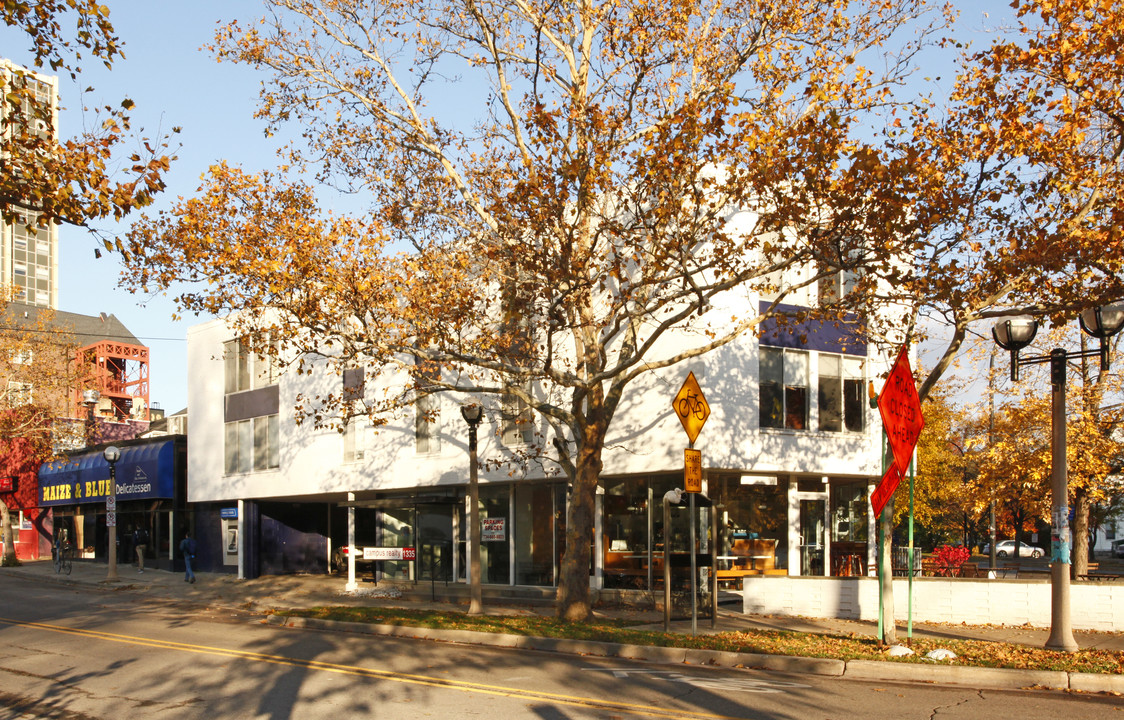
151 480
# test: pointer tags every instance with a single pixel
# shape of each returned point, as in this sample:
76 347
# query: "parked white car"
1006 548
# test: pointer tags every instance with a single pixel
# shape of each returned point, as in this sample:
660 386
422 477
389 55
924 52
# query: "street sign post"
693 410
900 408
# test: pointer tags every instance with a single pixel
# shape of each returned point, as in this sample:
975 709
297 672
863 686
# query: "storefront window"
495 534
752 516
397 531
849 506
536 507
625 538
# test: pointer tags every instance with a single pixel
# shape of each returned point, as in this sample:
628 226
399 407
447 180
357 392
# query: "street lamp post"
1014 335
112 455
472 414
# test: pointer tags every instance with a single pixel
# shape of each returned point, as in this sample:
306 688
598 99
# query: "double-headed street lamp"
472 414
1014 335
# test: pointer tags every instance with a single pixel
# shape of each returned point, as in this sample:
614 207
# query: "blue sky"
174 83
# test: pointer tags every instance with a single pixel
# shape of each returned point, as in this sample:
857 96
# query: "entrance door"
812 528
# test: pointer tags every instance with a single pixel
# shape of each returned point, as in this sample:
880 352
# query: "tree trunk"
1080 532
573 584
7 536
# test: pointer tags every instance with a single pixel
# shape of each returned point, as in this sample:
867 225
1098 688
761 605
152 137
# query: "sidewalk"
299 591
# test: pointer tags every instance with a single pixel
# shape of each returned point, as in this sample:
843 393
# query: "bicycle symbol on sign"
692 404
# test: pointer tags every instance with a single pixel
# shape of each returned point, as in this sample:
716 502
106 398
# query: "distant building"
29 255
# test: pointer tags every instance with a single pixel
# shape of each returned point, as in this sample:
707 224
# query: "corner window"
841 404
784 388
252 445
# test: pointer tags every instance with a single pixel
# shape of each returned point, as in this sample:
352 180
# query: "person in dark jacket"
187 549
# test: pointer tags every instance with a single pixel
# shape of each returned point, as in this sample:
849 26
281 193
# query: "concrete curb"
989 678
864 670
1094 682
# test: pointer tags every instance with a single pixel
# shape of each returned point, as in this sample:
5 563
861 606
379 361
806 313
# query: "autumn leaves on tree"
81 178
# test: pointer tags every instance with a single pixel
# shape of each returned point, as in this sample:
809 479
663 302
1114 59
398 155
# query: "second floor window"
784 388
353 450
841 400
252 445
247 370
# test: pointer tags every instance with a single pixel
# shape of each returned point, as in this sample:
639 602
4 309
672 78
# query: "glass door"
812 526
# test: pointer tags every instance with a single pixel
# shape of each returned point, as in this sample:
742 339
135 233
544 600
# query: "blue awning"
144 472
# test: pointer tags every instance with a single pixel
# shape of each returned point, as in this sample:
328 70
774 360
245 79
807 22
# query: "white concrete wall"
1094 605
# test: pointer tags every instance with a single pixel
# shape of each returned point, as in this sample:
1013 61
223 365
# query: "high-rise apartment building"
29 254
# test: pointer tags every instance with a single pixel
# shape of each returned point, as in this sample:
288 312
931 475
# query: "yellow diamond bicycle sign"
691 407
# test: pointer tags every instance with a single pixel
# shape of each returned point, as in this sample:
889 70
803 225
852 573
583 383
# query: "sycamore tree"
37 375
554 190
81 178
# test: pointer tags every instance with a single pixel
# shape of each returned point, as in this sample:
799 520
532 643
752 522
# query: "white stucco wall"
1093 605
646 435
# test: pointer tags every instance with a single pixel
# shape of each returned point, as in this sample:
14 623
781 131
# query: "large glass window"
495 534
784 388
252 445
752 513
841 398
536 507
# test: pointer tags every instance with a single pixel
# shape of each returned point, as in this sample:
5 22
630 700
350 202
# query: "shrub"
949 559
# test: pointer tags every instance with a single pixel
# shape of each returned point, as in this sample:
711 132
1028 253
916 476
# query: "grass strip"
972 653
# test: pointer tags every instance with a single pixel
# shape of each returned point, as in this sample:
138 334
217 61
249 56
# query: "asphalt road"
79 653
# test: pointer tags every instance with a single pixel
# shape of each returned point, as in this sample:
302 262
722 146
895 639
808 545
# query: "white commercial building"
790 451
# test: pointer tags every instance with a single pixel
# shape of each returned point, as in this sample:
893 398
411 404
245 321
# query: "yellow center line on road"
644 710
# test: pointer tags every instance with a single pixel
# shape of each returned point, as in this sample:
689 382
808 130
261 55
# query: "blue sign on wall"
228 513
144 472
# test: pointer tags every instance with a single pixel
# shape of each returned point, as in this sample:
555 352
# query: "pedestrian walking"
187 549
140 542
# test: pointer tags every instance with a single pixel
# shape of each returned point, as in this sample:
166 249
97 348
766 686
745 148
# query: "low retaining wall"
1093 605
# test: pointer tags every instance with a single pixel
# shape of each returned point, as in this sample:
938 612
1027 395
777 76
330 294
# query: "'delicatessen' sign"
900 408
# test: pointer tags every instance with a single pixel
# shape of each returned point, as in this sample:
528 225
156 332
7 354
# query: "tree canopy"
88 176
